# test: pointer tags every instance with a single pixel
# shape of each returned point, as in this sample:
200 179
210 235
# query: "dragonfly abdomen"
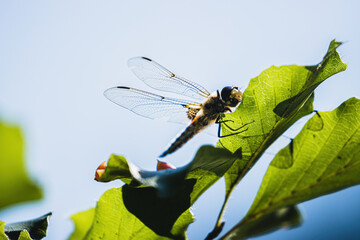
196 126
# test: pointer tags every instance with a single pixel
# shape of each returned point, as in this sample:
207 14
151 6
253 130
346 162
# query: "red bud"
100 170
164 165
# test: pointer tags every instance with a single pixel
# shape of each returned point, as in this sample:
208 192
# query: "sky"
58 57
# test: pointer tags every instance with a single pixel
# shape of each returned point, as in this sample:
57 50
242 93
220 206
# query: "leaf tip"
334 44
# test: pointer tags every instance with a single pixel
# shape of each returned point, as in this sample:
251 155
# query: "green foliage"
272 102
82 222
141 208
27 230
15 185
323 158
2 231
24 235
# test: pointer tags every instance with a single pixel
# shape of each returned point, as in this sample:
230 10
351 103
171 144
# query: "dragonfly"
201 110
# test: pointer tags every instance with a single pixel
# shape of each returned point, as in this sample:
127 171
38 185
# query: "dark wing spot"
123 87
146 59
172 75
162 97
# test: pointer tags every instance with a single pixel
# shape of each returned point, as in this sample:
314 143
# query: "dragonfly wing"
158 77
151 105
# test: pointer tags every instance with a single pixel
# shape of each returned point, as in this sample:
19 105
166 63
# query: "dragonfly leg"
236 129
231 134
222 121
218 121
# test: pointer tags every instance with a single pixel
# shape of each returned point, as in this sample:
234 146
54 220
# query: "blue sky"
57 58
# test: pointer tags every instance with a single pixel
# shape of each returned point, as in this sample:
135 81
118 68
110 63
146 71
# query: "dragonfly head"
231 96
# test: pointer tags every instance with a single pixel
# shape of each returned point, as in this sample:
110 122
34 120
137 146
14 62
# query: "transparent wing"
151 105
158 77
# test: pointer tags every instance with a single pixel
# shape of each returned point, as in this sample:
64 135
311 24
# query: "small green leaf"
324 160
35 228
82 222
15 185
272 102
24 235
165 181
212 160
2 231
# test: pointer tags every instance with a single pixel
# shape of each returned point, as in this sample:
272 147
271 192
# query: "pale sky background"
57 58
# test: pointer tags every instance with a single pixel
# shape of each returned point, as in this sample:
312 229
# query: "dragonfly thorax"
213 106
231 96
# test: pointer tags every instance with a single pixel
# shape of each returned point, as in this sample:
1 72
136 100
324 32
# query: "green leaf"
2 231
139 211
208 166
272 102
82 222
286 217
24 235
165 181
32 229
323 158
15 185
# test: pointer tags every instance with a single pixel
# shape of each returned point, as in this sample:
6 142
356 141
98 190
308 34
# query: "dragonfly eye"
231 96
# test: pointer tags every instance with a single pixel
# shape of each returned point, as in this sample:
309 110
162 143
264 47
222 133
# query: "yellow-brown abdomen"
199 123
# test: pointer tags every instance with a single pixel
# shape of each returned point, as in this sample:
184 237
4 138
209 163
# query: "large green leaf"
323 158
15 185
137 210
272 102
27 230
